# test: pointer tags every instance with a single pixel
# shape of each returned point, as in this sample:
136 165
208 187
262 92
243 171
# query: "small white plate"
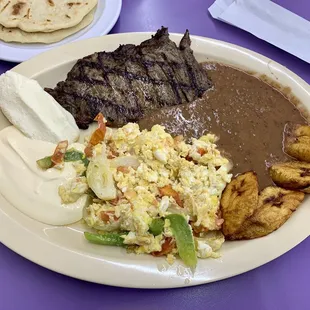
64 249
107 13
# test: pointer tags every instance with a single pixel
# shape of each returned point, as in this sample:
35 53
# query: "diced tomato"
188 158
170 192
59 153
101 124
97 136
219 222
113 152
201 151
88 151
130 194
105 216
166 248
114 201
117 199
198 229
123 169
155 202
111 156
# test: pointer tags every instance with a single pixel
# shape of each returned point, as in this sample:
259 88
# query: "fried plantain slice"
292 175
275 206
297 141
238 202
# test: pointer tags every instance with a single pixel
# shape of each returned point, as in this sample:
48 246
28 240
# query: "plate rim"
21 52
14 227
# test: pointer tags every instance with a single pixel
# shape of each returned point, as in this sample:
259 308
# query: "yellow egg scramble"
170 176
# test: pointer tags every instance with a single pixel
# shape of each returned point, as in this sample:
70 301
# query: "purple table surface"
281 284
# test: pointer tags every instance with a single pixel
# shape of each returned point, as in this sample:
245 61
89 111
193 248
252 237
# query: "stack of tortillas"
43 21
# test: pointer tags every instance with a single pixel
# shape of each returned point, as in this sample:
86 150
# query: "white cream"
33 111
30 189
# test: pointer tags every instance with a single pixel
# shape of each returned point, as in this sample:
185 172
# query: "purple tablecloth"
281 284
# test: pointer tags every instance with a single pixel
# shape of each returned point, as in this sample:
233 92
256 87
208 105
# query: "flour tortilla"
20 36
43 15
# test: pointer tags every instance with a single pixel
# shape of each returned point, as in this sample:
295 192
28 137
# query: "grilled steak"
132 80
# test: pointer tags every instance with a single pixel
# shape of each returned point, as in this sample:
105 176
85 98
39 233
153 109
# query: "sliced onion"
125 161
100 178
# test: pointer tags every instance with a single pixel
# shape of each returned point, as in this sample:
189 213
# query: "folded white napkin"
267 21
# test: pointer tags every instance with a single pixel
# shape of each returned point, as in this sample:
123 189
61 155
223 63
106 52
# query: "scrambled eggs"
154 175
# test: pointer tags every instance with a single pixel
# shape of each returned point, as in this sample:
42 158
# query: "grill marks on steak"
132 80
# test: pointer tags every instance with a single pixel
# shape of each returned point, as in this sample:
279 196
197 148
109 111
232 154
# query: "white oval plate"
107 13
63 249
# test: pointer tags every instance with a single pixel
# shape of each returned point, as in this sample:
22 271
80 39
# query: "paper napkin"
267 21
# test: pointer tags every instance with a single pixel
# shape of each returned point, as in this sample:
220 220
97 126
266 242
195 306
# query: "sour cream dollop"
30 189
33 111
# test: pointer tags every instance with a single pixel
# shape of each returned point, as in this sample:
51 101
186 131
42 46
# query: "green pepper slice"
184 239
70 155
114 239
45 163
156 226
73 155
